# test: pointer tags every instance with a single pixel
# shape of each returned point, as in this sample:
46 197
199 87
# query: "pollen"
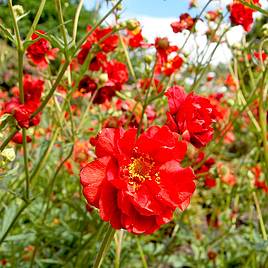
141 169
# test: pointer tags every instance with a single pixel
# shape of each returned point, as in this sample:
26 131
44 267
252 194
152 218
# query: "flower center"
142 169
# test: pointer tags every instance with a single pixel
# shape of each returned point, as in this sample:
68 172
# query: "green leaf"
7 33
10 213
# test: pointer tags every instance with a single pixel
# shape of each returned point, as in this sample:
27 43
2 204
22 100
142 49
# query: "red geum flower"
117 72
190 115
260 55
40 51
210 182
117 75
261 184
207 163
135 40
172 65
87 85
230 82
168 61
137 183
23 112
33 88
19 139
186 22
163 49
242 15
108 42
98 62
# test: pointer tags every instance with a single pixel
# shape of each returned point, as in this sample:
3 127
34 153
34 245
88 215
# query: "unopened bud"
148 59
132 24
18 10
103 78
265 29
162 43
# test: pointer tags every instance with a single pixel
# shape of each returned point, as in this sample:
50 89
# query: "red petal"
176 152
171 123
154 138
177 183
106 141
176 96
127 142
92 176
108 206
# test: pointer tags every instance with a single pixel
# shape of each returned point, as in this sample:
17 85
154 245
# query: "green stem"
25 158
62 27
264 234
76 18
262 116
118 243
36 19
44 157
104 246
52 183
141 253
127 58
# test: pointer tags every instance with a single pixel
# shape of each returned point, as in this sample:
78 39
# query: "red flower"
186 22
210 182
138 183
167 62
87 85
108 42
230 82
117 75
19 139
98 62
261 184
33 88
190 115
23 112
39 51
260 55
242 15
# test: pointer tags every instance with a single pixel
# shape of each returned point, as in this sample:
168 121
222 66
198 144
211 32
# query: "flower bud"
18 10
148 59
132 24
265 29
103 78
162 43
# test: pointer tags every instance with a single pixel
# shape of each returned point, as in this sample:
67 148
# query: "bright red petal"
92 176
176 96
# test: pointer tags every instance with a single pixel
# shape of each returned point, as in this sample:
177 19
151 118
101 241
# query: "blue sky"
154 8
